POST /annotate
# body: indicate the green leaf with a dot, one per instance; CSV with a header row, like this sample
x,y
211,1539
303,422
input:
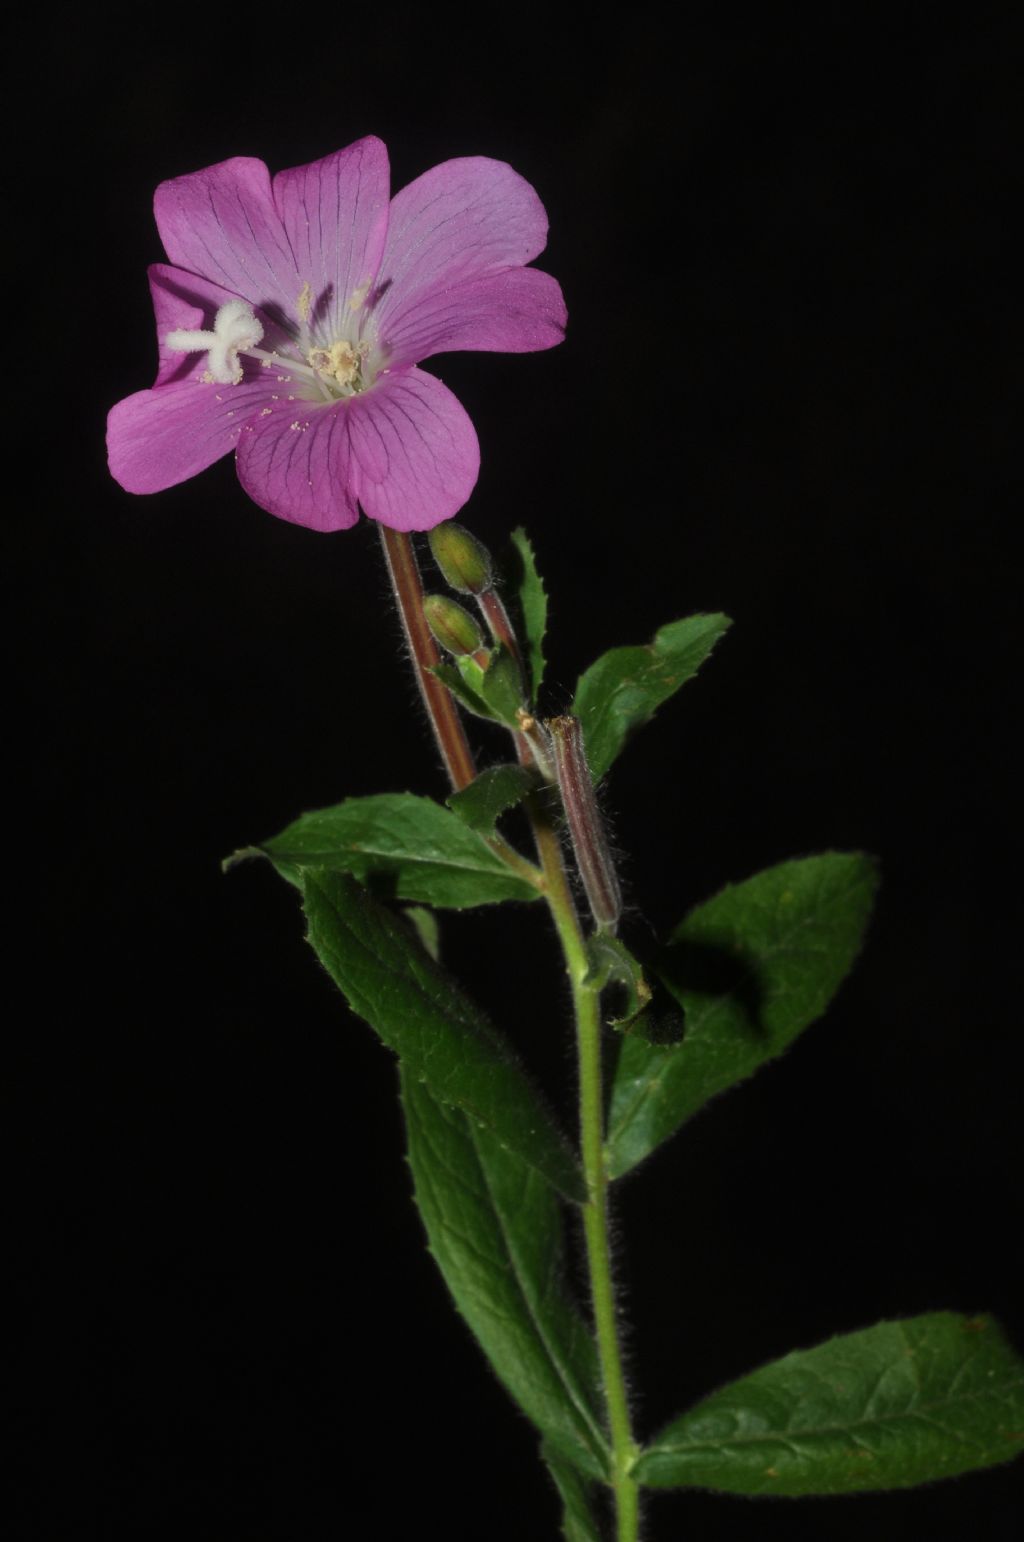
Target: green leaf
x,y
419,1012
427,929
611,960
487,797
494,1229
500,685
404,847
533,603
578,1523
471,699
752,969
891,1406
494,691
624,688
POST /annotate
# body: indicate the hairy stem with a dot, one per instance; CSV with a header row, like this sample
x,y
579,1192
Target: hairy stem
x,y
595,1211
499,625
442,711
449,733
455,751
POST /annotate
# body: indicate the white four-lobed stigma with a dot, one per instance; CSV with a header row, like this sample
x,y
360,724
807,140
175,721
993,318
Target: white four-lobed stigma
x,y
235,329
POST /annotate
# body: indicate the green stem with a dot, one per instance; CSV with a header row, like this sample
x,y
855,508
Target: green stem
x,y
451,740
595,1212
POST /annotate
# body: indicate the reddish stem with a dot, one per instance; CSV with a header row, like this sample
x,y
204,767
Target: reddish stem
x,y
441,709
496,616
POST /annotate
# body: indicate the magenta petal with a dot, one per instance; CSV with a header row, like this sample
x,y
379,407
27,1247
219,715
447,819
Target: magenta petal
x,y
416,451
184,302
518,311
462,220
297,463
335,214
158,438
222,224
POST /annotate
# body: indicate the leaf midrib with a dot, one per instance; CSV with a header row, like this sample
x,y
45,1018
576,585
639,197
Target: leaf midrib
x,y
824,1431
487,864
481,1031
566,1375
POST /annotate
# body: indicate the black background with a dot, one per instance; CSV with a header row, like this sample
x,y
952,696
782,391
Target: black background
x,y
786,392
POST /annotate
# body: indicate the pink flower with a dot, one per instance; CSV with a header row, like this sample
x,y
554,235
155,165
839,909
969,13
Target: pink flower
x,y
294,317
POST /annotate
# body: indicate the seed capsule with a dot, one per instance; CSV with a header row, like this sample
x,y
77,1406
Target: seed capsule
x,y
586,827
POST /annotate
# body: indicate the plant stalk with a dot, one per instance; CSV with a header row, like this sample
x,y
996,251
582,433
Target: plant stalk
x,y
458,759
586,1002
449,733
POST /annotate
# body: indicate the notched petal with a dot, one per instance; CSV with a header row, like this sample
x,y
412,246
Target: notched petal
x,y
416,451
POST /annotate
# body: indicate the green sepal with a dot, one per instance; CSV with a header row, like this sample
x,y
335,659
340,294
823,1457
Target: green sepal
x,y
420,1012
500,685
533,603
400,845
471,699
578,1521
889,1407
751,968
491,794
494,1229
494,691
610,960
624,688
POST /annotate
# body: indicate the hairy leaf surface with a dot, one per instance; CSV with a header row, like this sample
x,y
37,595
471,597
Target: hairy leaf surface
x,y
533,603
403,846
752,968
888,1407
490,794
624,688
494,1228
420,1012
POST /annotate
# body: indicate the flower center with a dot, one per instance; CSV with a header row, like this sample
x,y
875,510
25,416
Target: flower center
x,y
341,365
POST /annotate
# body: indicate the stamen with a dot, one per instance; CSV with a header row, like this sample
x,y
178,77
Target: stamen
x,y
284,360
340,362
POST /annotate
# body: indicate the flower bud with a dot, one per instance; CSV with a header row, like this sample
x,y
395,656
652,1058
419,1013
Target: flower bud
x,y
454,628
465,564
